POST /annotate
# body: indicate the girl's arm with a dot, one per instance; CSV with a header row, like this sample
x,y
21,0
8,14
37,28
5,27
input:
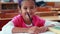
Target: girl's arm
x,y
33,29
48,24
9,28
51,24
20,30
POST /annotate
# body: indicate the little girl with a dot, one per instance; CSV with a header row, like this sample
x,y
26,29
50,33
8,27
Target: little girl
x,y
27,21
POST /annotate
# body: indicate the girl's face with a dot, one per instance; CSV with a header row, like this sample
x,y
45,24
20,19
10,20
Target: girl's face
x,y
28,6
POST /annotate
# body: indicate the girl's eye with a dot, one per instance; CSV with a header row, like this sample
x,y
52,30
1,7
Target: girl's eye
x,y
31,7
25,8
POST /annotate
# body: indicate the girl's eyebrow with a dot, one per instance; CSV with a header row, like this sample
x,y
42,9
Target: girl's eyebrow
x,y
31,6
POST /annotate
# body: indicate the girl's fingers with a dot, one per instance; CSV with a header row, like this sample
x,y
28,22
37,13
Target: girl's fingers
x,y
43,29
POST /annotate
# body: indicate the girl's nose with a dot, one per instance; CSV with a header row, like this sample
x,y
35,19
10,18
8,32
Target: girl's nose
x,y
28,10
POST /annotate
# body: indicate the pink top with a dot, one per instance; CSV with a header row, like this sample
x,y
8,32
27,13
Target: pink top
x,y
19,22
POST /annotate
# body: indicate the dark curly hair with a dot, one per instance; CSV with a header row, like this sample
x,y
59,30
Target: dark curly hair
x,y
20,1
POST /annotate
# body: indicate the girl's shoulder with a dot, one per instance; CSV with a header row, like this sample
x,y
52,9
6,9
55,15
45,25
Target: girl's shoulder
x,y
17,16
38,17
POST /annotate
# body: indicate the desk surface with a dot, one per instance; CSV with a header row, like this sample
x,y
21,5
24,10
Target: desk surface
x,y
52,18
5,18
55,29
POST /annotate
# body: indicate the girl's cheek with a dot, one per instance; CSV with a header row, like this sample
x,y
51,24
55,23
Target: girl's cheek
x,y
33,12
23,13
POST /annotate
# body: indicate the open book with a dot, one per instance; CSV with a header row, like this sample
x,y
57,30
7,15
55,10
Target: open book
x,y
55,29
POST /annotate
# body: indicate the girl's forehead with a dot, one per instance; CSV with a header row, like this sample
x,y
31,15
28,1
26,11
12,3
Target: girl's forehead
x,y
28,3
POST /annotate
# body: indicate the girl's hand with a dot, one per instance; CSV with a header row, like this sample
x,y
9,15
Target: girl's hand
x,y
43,29
34,30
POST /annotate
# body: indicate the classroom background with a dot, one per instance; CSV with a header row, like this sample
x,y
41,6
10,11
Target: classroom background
x,y
48,10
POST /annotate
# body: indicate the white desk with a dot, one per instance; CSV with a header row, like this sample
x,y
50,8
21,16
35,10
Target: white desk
x,y
0,32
